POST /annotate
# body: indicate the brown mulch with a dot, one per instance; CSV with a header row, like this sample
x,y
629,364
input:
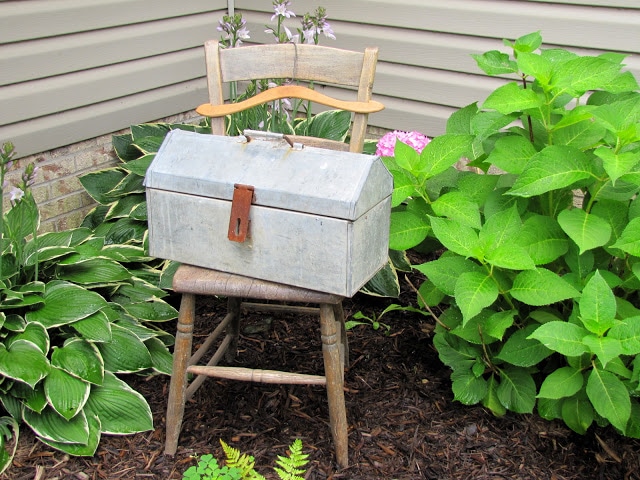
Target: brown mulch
x,y
403,422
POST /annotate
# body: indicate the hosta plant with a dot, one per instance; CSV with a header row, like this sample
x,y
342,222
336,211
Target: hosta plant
x,y
75,310
539,276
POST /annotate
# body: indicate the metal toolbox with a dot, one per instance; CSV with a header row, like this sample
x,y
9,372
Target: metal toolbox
x,y
259,206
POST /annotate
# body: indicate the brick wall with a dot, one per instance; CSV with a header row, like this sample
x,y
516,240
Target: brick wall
x,y
62,200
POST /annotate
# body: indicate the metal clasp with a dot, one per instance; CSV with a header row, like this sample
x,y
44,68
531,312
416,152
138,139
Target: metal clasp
x,y
240,206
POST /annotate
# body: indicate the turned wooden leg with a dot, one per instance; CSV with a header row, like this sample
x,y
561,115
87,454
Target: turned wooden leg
x,y
334,374
338,312
233,308
178,384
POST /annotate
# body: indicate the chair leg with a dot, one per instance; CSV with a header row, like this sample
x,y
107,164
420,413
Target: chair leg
x,y
333,371
233,307
178,384
338,312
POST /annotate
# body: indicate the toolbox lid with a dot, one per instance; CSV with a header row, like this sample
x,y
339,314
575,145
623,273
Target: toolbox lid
x,y
291,177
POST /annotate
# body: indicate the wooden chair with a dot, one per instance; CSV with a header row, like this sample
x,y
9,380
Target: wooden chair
x,y
354,70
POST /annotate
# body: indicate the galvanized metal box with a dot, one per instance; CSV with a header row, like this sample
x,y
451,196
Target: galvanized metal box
x,y
257,206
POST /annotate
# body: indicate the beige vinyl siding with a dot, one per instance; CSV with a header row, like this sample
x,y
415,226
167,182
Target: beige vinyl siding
x,y
425,71
72,70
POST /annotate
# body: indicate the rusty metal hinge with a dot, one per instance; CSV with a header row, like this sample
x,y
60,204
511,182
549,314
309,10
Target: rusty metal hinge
x,y
240,206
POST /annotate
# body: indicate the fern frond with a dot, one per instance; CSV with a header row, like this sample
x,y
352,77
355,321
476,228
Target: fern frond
x,y
241,461
292,465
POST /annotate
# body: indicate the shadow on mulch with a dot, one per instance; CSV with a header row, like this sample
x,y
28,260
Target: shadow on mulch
x,y
403,422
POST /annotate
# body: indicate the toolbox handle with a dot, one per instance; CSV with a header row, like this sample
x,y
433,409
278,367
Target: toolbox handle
x,y
239,219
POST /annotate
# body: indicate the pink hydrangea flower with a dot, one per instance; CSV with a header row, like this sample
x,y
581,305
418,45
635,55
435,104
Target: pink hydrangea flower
x,y
387,144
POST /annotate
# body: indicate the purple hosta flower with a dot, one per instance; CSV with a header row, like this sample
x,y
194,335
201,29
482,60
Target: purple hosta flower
x,y
314,25
16,195
29,175
233,29
387,144
280,9
282,105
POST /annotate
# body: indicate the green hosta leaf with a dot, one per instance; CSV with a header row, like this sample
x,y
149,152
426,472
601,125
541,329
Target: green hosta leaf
x,y
66,394
491,400
81,359
23,361
511,153
475,291
563,337
456,206
100,184
442,152
629,241
384,283
597,305
605,348
407,230
460,239
125,353
541,287
121,409
577,413
467,388
627,332
511,98
161,358
8,425
495,62
94,271
444,271
609,397
87,449
125,206
95,327
35,333
553,168
330,124
543,239
564,382
523,351
66,303
587,230
154,311
140,165
51,426
517,390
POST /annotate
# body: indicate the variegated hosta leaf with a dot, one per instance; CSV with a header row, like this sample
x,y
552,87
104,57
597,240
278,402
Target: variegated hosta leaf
x,y
51,426
23,361
80,449
66,303
66,394
81,359
121,409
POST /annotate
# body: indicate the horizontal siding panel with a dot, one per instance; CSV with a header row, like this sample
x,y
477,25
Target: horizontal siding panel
x,y
596,3
21,20
70,53
68,127
571,25
23,101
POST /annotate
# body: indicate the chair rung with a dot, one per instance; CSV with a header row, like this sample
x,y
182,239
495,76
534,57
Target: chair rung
x,y
274,307
257,375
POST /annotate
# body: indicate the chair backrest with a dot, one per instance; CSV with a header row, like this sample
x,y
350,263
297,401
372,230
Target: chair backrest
x,y
309,63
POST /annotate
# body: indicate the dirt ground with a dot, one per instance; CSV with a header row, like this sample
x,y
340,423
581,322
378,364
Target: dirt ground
x,y
403,422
